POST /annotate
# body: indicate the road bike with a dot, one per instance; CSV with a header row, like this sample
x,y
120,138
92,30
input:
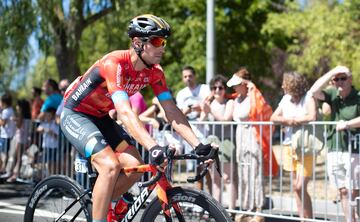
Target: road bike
x,y
60,198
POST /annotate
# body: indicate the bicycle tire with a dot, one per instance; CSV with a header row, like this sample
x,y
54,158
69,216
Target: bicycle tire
x,y
52,196
195,205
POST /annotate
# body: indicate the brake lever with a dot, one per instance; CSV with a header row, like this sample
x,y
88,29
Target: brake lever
x,y
200,175
168,173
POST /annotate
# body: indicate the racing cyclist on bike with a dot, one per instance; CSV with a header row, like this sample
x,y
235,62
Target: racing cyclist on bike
x,y
106,85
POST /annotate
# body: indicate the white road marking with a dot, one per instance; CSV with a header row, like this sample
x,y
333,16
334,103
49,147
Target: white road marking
x,y
18,209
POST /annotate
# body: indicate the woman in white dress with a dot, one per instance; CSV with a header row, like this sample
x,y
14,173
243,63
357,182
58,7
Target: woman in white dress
x,y
248,150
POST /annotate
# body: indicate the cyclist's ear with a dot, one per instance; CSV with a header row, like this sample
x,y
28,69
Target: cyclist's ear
x,y
137,42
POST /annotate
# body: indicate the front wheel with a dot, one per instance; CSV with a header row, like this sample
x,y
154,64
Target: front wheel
x,y
58,198
195,205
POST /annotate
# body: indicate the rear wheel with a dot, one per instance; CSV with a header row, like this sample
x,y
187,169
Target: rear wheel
x,y
195,206
57,195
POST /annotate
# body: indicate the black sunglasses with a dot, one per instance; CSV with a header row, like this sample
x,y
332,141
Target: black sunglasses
x,y
340,79
217,87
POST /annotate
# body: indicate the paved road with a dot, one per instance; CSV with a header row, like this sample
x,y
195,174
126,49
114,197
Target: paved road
x,y
13,198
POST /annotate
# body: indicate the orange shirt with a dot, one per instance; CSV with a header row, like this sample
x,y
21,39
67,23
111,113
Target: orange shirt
x,y
35,107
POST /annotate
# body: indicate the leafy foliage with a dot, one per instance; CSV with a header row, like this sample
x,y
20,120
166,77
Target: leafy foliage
x,y
266,36
318,37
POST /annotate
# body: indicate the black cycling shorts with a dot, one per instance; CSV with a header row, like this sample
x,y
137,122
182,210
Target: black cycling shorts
x,y
89,134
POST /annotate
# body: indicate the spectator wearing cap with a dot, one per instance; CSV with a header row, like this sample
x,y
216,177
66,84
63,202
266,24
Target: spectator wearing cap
x,y
253,151
53,98
343,158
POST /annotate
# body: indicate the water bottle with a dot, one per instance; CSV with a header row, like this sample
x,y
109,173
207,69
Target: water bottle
x,y
123,205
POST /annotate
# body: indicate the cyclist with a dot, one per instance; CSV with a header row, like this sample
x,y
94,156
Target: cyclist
x,y
106,85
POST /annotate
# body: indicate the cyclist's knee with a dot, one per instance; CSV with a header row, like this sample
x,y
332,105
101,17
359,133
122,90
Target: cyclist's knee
x,y
114,166
109,168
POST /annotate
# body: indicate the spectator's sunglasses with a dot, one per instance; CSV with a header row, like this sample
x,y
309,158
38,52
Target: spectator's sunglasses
x,y
337,79
217,87
156,41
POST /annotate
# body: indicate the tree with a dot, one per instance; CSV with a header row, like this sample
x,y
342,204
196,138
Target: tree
x,y
58,27
317,37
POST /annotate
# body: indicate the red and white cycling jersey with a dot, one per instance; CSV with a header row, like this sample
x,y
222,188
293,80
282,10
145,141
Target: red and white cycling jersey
x,y
91,92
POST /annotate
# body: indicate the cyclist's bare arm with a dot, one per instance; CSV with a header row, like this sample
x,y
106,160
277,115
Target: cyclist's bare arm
x,y
179,122
133,124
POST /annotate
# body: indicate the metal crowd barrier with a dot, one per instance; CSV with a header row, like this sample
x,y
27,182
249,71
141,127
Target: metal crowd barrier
x,y
279,201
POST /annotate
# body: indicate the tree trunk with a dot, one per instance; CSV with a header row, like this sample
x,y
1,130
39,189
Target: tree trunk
x,y
66,52
66,62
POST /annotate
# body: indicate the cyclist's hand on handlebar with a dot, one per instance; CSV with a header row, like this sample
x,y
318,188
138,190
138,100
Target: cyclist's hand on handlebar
x,y
202,149
208,151
158,156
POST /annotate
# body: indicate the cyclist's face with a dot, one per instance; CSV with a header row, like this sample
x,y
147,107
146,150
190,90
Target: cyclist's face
x,y
153,54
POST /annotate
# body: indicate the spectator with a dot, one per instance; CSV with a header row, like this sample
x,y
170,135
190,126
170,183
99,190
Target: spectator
x,y
66,152
53,98
188,100
250,105
36,102
20,141
63,85
296,108
50,134
218,108
138,103
155,115
343,160
7,129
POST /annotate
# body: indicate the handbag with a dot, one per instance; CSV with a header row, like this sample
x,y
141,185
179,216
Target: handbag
x,y
307,140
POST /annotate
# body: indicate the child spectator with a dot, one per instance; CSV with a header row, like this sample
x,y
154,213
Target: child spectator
x,y
50,133
7,129
21,139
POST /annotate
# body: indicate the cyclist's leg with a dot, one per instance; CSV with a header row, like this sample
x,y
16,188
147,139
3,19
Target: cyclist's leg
x,y
128,158
83,132
108,167
126,153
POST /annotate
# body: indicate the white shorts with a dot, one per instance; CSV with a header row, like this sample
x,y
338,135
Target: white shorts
x,y
343,169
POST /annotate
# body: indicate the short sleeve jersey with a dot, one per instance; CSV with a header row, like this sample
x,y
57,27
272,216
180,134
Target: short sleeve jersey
x,y
91,93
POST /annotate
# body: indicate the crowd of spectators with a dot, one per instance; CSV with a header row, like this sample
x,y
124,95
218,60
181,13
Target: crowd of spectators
x,y
31,124
245,152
